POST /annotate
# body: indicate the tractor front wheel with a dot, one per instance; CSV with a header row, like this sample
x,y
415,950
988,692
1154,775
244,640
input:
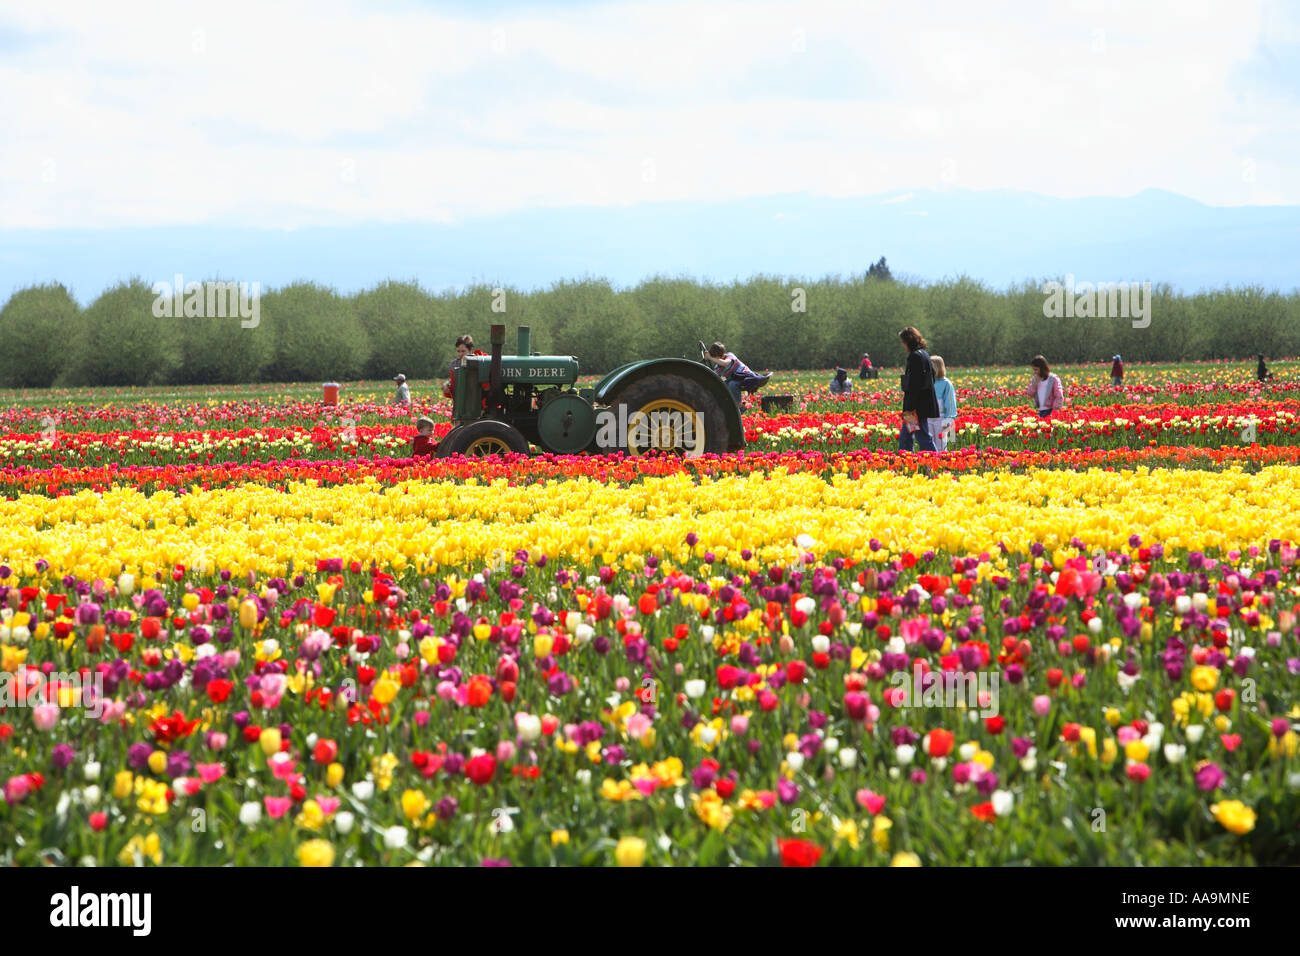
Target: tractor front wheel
x,y
483,437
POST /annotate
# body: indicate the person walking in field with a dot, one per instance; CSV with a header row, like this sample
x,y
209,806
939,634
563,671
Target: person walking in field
x,y
946,394
840,384
403,396
1261,372
919,401
1045,388
1117,371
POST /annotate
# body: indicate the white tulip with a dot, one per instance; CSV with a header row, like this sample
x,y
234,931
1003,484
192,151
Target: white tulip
x,y
794,760
90,795
1194,733
694,689
529,727
1199,600
1182,604
706,633
805,604
363,790
1174,753
91,771
806,541
904,754
250,813
967,752
1003,801
395,838
1094,626
343,822
830,745
848,758
821,644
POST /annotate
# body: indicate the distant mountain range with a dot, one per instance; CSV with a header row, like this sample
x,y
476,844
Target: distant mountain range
x,y
998,236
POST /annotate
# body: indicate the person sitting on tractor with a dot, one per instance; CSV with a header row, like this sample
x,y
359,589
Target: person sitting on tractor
x,y
423,444
840,384
738,376
464,346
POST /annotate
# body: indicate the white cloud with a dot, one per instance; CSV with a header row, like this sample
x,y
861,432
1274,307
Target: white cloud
x,y
311,113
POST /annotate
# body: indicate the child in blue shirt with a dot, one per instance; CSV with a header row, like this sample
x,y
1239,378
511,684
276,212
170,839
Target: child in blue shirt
x,y
941,428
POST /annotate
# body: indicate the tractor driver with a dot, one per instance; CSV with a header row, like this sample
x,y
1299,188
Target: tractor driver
x,y
464,346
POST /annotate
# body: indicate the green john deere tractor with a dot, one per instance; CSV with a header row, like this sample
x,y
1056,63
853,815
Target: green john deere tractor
x,y
504,403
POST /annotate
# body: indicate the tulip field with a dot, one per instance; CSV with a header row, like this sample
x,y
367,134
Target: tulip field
x,y
241,627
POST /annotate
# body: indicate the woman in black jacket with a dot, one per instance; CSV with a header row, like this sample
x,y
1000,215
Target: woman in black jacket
x,y
918,393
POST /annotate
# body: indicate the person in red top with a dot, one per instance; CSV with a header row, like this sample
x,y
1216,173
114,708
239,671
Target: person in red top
x,y
864,367
423,444
464,346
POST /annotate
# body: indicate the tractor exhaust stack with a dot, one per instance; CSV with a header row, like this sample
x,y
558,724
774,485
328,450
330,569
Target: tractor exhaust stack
x,y
498,346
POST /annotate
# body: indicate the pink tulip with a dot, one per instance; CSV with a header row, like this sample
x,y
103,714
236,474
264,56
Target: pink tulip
x,y
17,788
276,807
45,716
872,802
1042,705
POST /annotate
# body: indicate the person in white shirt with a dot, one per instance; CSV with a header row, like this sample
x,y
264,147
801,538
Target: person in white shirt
x,y
403,396
1045,388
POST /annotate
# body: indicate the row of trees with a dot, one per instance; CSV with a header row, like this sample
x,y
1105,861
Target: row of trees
x,y
307,332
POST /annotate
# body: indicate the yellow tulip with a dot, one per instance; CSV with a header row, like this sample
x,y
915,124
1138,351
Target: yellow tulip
x,y
270,741
630,851
316,853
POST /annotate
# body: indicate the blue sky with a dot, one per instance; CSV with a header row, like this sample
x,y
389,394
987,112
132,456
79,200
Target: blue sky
x,y
298,114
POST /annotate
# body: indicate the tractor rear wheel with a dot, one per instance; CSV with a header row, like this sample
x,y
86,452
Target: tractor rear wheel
x,y
667,413
484,437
